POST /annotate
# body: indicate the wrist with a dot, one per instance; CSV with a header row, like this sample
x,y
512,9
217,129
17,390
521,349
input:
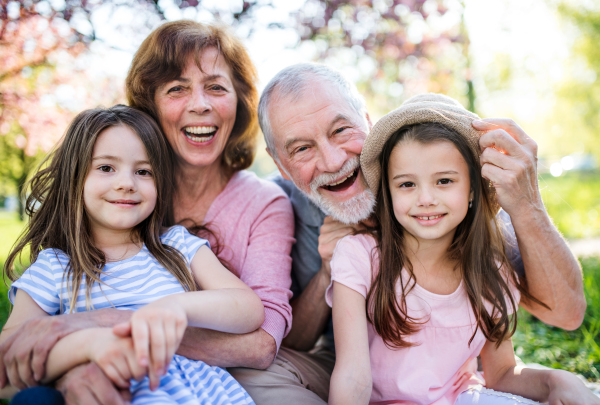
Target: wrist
x,y
91,337
531,218
324,275
109,317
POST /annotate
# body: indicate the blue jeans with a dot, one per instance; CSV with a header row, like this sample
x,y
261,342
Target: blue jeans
x,y
38,396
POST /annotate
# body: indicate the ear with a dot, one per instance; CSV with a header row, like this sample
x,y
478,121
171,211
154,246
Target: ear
x,y
369,121
471,195
281,170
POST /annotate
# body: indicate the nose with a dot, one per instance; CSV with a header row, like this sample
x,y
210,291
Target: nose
x,y
426,197
332,157
125,182
199,101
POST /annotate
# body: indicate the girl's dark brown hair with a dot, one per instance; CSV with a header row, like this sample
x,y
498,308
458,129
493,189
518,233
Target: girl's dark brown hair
x,y
163,56
477,248
57,213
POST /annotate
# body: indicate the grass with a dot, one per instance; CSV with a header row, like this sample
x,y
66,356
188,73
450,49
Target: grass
x,y
573,202
577,351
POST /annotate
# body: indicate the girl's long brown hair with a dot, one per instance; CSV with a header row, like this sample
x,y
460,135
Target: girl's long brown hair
x,y
477,247
56,210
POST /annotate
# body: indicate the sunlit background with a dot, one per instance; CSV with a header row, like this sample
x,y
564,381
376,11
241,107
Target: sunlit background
x,y
534,61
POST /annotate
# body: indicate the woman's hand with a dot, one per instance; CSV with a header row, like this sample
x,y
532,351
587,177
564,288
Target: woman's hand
x,y
116,357
156,331
567,389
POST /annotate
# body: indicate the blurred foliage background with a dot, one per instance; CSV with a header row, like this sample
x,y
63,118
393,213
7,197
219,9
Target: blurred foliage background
x,y
536,61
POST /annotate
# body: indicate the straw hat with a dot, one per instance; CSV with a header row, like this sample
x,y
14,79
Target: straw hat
x,y
419,109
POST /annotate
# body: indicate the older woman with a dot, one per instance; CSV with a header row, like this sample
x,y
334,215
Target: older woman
x,y
198,82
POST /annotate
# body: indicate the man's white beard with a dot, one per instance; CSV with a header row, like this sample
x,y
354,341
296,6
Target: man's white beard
x,y
351,211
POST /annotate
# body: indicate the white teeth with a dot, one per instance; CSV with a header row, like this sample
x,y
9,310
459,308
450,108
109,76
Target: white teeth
x,y
200,130
341,181
431,217
199,138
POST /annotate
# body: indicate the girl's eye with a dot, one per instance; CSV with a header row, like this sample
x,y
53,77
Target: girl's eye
x,y
105,169
445,181
407,184
144,172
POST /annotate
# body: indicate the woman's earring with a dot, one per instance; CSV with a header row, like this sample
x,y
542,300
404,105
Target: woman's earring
x,y
470,203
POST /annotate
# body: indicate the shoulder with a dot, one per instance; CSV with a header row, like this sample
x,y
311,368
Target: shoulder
x,y
52,259
352,263
178,234
356,245
249,184
354,253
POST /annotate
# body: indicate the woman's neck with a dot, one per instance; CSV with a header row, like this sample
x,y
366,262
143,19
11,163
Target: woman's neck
x,y
196,189
432,266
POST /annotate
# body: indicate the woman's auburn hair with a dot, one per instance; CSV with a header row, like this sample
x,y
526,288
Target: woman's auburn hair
x,y
56,208
162,57
477,248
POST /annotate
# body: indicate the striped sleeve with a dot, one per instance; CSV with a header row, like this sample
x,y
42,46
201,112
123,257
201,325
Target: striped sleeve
x,y
39,282
188,244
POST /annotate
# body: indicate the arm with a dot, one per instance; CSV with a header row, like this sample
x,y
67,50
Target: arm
x,y
556,387
266,270
309,309
224,303
553,273
30,340
66,354
351,378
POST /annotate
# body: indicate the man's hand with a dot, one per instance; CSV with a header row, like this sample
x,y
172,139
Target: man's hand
x,y
25,351
331,232
509,161
553,274
87,384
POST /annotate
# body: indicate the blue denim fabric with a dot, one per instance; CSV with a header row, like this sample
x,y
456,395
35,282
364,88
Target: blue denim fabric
x,y
38,396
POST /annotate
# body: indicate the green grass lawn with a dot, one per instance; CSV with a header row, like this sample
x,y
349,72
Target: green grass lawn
x,y
577,351
573,202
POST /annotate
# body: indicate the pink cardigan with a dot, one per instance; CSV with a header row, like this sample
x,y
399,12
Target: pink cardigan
x,y
254,221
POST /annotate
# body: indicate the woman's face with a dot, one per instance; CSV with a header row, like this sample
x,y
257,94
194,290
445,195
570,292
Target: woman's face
x,y
197,110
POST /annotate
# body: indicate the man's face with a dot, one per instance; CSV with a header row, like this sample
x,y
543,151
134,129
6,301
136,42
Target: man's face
x,y
318,139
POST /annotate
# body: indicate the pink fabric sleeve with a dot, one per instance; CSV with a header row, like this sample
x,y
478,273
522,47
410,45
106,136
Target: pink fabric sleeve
x,y
351,265
268,264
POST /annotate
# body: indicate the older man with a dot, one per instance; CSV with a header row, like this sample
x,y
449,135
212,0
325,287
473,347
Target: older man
x,y
315,124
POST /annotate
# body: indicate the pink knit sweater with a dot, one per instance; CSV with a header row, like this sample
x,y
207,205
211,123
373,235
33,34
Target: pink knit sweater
x,y
254,221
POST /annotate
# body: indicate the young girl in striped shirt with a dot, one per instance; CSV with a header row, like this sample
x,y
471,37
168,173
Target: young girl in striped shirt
x,y
96,241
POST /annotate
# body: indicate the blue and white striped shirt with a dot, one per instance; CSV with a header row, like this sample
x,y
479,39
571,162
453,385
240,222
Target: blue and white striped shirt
x,y
127,284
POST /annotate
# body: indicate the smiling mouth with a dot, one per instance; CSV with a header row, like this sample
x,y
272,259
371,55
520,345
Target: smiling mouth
x,y
200,134
342,184
428,218
125,202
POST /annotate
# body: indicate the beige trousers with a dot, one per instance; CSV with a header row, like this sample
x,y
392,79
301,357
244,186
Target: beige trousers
x,y
294,378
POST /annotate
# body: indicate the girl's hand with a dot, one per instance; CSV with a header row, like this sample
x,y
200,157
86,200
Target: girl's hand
x,y
567,389
116,357
156,331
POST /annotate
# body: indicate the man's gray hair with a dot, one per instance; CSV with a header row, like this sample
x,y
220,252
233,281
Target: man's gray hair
x,y
292,82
